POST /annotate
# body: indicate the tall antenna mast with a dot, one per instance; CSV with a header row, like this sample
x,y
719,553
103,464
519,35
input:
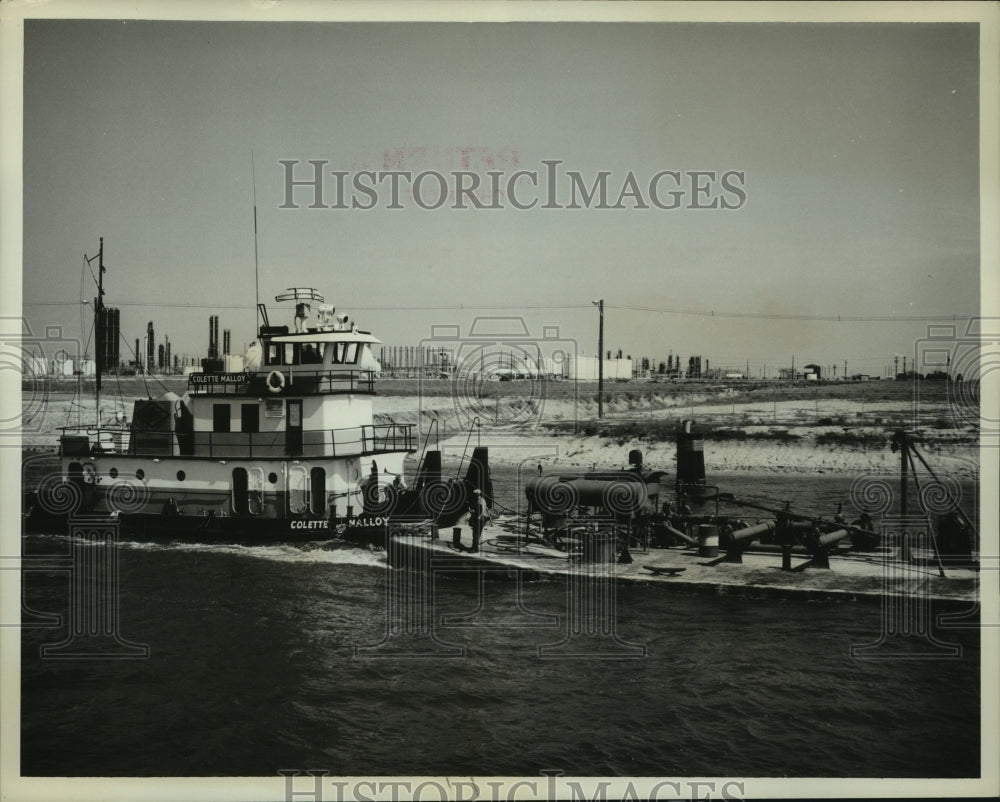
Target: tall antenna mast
x,y
256,264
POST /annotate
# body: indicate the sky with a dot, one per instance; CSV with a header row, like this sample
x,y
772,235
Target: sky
x,y
856,148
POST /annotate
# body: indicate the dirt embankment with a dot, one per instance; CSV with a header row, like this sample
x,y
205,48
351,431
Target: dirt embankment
x,y
835,428
808,430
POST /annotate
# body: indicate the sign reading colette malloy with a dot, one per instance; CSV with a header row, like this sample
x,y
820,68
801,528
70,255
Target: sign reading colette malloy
x,y
219,378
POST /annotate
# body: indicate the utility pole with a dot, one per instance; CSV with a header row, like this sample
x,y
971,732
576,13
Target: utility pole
x,y
99,362
600,358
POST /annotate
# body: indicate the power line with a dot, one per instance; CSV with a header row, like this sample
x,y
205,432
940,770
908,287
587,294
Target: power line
x,y
512,307
393,308
144,303
776,316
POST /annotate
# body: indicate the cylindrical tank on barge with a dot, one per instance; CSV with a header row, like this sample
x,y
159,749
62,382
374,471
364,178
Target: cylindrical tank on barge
x,y
619,493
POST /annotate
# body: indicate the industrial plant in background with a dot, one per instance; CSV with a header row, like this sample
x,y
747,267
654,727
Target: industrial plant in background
x,y
498,363
526,359
219,360
108,338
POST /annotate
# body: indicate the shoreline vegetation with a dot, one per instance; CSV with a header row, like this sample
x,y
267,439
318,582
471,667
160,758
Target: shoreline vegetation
x,y
774,427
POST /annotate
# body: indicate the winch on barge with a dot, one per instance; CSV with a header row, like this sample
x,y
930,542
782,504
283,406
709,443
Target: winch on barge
x,y
285,450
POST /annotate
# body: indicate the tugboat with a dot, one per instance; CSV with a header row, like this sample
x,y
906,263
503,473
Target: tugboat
x,y
284,450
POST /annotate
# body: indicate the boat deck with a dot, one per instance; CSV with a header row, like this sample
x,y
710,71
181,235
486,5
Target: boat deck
x,y
852,575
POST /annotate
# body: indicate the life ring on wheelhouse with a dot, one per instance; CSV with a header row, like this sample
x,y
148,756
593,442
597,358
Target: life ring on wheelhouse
x,y
275,381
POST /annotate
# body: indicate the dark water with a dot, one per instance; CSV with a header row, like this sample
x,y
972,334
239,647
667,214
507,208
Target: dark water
x,y
254,667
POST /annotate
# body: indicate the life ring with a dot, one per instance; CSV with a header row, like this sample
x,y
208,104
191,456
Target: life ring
x,y
275,375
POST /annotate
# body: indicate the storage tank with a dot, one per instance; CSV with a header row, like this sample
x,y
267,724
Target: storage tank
x,y
617,493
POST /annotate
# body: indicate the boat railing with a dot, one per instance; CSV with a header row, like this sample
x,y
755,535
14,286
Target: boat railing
x,y
347,442
88,440
294,380
382,438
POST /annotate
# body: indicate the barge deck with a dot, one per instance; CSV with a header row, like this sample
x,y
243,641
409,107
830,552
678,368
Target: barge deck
x,y
852,575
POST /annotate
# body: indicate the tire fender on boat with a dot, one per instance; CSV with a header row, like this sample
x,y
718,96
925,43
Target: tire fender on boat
x,y
275,381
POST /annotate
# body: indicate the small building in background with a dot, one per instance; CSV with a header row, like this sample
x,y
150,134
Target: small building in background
x,y
35,366
585,368
62,365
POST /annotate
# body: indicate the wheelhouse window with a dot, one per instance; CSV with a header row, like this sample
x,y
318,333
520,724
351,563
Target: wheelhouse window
x,y
220,417
345,353
311,354
308,353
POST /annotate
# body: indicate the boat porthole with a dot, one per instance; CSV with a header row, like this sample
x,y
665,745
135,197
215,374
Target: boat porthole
x,y
180,476
140,474
272,478
113,473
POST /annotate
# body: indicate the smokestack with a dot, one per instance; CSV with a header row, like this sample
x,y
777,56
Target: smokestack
x,y
213,337
150,348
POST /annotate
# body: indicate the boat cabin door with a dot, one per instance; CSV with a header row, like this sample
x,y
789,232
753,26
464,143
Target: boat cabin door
x,y
317,492
298,489
293,427
248,491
